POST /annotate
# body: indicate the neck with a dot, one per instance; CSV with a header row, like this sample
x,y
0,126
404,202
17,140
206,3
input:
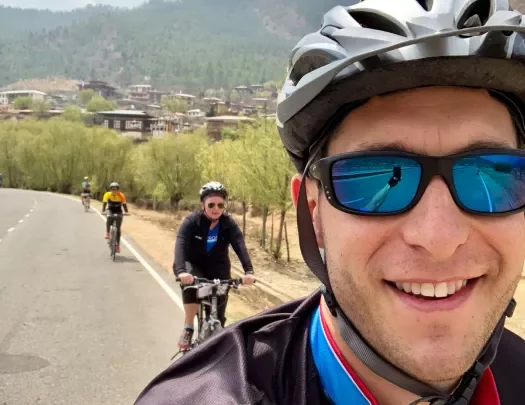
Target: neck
x,y
383,390
213,221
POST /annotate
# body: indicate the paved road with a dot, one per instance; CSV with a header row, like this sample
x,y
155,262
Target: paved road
x,y
75,327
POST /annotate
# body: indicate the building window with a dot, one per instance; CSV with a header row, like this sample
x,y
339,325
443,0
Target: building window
x,y
117,124
134,125
106,123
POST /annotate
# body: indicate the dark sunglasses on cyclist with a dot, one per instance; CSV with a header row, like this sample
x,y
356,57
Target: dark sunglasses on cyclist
x,y
212,206
482,182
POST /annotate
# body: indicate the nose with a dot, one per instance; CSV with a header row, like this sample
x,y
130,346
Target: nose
x,y
436,224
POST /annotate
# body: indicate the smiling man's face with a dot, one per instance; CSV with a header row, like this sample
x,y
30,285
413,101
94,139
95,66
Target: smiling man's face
x,y
435,242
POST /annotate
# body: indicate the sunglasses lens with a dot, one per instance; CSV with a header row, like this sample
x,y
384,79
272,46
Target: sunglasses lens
x,y
490,183
384,184
220,205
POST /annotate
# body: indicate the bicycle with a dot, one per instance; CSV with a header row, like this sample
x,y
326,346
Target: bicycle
x,y
208,292
86,201
112,242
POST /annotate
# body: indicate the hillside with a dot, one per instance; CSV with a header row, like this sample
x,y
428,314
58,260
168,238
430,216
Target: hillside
x,y
197,43
190,44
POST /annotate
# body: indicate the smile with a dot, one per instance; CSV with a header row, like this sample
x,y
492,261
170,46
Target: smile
x,y
437,296
438,290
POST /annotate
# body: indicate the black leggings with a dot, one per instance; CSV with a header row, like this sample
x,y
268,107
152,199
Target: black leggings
x,y
118,223
189,295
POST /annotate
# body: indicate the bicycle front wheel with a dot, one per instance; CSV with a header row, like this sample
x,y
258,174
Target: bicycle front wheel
x,y
113,241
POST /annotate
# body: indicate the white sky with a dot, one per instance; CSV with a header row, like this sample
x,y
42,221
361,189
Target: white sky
x,y
67,4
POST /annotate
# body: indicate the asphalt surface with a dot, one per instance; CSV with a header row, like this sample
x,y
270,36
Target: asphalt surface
x,y
75,327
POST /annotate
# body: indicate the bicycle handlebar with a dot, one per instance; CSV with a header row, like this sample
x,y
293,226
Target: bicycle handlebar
x,y
199,280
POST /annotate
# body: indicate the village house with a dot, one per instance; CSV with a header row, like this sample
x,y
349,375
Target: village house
x,y
9,97
215,125
101,88
132,123
195,114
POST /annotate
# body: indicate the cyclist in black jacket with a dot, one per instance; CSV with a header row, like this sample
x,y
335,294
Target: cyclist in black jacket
x,y
201,250
415,293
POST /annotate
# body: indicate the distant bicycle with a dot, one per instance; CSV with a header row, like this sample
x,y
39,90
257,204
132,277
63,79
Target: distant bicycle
x,y
112,242
208,292
86,201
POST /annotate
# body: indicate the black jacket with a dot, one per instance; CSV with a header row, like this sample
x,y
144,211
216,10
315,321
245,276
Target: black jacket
x,y
191,246
266,360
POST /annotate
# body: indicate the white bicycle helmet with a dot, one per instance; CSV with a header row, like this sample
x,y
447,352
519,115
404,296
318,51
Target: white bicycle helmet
x,y
114,185
213,187
374,47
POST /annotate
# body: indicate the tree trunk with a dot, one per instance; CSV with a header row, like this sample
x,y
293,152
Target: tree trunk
x,y
263,234
174,201
271,235
244,219
287,244
277,252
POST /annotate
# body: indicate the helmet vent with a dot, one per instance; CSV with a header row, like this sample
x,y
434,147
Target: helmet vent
x,y
376,21
426,4
475,15
308,63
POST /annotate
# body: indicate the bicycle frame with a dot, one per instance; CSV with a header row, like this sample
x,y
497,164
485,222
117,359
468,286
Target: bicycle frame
x,y
86,201
113,236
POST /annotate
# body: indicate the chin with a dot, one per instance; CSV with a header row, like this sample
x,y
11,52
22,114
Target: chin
x,y
439,357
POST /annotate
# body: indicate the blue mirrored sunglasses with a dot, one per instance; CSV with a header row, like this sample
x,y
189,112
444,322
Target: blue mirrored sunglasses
x,y
481,182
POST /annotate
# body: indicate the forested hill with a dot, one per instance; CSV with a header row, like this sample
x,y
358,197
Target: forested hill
x,y
190,44
187,43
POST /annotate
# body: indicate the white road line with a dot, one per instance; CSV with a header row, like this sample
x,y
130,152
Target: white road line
x,y
27,215
20,221
174,297
11,229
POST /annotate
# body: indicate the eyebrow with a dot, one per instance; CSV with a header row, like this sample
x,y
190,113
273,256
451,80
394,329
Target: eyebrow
x,y
404,147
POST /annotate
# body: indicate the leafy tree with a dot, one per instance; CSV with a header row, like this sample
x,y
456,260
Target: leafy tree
x,y
174,164
85,96
23,103
72,113
98,103
40,107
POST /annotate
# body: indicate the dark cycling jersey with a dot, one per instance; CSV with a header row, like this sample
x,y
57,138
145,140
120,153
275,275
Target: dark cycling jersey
x,y
86,187
267,360
192,246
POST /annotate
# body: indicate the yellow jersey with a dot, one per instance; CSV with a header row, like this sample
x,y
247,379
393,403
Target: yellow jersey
x,y
114,201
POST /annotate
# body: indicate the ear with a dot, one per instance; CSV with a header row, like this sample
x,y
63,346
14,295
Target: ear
x,y
295,186
312,194
202,205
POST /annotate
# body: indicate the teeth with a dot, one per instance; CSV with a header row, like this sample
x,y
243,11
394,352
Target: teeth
x,y
416,289
427,290
451,287
439,290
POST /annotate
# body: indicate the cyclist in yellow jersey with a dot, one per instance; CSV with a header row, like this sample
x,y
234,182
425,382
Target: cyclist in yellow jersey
x,y
115,201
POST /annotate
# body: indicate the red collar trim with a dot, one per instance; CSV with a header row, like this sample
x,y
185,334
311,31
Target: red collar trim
x,y
486,391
